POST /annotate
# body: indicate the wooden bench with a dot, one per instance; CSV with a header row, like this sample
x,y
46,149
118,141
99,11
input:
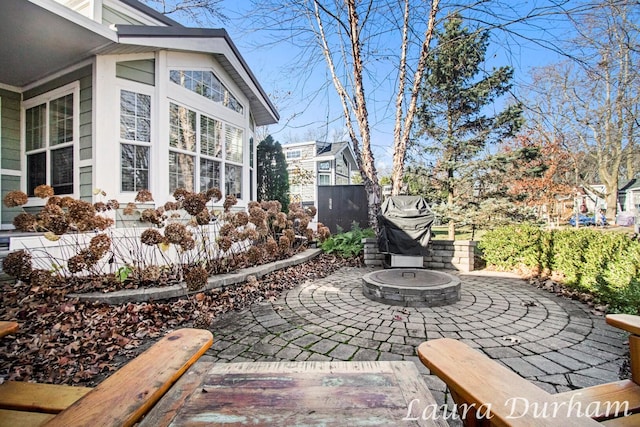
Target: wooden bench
x,y
120,400
478,383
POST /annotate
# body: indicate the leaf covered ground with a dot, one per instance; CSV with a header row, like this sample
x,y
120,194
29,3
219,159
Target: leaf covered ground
x,y
66,341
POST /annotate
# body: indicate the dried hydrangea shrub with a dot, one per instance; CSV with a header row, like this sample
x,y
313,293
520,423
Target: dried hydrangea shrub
x,y
176,232
43,191
194,203
229,202
15,198
25,222
196,278
151,237
144,196
18,264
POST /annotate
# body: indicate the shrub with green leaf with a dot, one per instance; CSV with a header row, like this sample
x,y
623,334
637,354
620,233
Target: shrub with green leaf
x,y
605,264
347,244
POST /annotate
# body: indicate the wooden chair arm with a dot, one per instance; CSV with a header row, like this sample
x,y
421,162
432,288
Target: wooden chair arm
x,y
124,397
474,379
626,322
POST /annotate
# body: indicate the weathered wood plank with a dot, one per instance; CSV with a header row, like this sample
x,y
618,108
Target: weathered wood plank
x,y
130,392
36,397
165,410
9,418
297,393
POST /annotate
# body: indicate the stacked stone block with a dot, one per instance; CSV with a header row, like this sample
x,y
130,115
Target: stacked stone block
x,y
441,254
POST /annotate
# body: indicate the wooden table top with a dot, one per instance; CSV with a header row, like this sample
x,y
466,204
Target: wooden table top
x,y
297,393
7,328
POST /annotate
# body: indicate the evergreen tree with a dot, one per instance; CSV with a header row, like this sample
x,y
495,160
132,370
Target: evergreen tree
x,y
273,178
454,124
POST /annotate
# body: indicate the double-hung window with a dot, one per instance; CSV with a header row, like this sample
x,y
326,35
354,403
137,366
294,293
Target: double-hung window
x,y
135,140
50,136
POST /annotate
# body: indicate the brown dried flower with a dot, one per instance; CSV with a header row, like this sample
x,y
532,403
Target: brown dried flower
x,y
213,194
113,204
176,232
100,207
43,278
194,203
204,217
130,208
196,278
171,206
284,243
77,263
54,200
151,273
254,255
240,219
43,191
229,201
271,246
187,244
81,211
151,237
225,243
144,196
15,198
227,229
257,216
180,194
25,222
67,201
18,264
100,245
151,216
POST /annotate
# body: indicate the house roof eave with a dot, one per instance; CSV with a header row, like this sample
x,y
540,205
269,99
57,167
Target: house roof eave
x,y
212,41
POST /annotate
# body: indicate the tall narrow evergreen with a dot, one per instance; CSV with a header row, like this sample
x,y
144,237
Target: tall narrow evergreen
x,y
454,122
273,178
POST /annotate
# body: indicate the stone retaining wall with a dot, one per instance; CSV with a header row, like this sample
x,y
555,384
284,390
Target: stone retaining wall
x,y
441,254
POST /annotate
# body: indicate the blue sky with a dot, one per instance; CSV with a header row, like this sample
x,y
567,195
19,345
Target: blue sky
x,y
310,109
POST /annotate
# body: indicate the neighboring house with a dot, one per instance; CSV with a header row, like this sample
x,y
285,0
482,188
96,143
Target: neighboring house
x,y
313,163
111,94
629,196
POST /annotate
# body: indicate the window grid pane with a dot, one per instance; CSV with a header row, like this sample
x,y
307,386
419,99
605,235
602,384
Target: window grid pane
x,y
233,180
233,144
62,170
134,167
210,137
61,120
209,174
135,116
181,171
182,128
36,171
206,84
35,127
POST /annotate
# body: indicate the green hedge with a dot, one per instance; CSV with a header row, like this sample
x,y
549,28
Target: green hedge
x,y
605,264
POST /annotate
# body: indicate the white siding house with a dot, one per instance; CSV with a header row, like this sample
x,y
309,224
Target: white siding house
x,y
314,163
110,94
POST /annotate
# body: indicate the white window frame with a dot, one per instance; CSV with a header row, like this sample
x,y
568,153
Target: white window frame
x,y
294,154
46,98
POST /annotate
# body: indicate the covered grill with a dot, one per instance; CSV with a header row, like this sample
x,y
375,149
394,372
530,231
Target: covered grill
x,y
405,225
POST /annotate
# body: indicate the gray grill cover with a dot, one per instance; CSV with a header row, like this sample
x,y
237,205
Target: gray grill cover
x,y
405,225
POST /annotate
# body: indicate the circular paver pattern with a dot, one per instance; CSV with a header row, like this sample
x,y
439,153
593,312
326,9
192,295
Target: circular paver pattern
x,y
555,342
